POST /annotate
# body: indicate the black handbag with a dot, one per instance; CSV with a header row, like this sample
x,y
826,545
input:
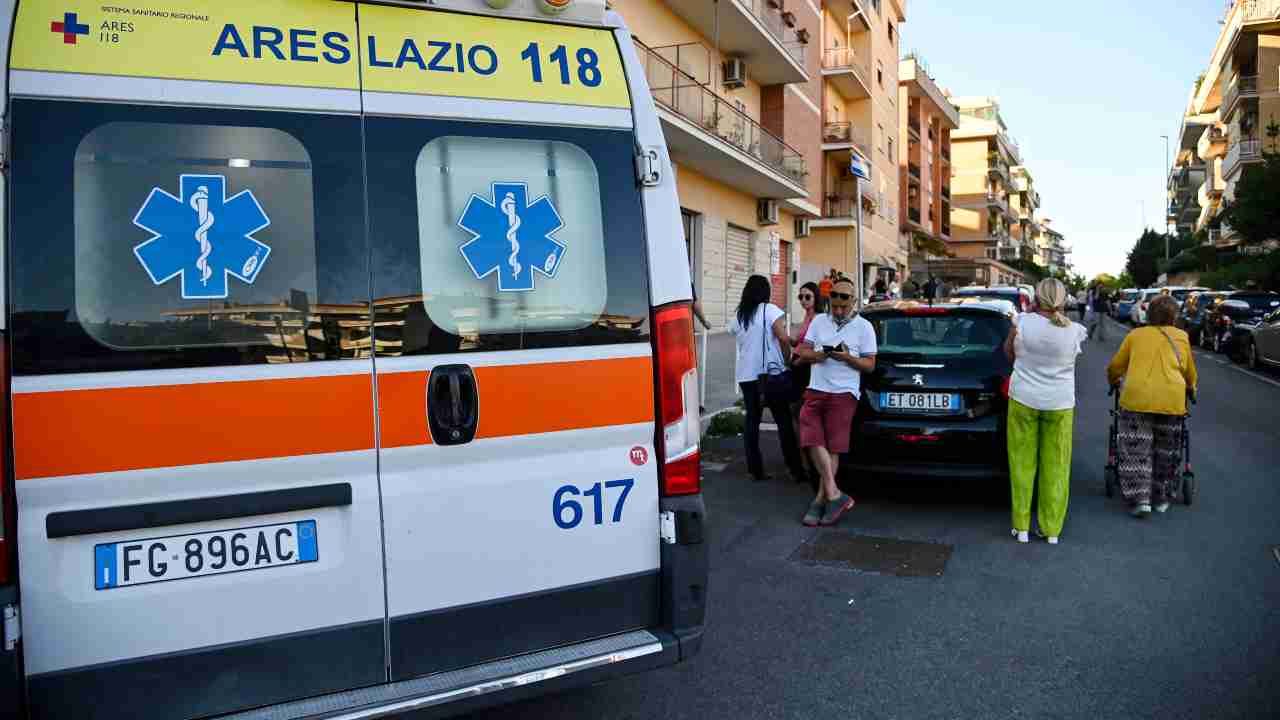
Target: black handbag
x,y
776,384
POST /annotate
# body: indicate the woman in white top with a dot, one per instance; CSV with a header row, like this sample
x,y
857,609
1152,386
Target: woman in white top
x,y
1043,346
761,331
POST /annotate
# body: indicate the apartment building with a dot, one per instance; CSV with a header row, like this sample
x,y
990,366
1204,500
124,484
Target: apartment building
x,y
737,84
859,43
926,120
1054,252
1232,105
1024,202
987,206
1188,171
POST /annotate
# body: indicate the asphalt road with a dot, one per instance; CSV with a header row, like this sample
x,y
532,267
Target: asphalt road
x,y
1174,617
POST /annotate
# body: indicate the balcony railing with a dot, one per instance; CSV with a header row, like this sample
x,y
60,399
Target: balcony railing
x,y
840,205
771,18
1244,87
848,58
914,170
1253,10
679,92
1242,151
914,124
836,133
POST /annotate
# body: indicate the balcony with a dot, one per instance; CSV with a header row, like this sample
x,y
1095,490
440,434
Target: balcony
x,y
997,166
1243,88
1212,144
752,30
996,200
839,209
838,136
710,135
1242,152
913,122
849,71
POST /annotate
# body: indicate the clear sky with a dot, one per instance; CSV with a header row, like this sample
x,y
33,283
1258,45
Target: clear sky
x,y
1087,88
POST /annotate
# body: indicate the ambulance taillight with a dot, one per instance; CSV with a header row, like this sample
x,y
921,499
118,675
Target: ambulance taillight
x,y
679,471
8,513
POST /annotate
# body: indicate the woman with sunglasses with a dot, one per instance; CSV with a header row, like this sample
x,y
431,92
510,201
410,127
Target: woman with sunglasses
x,y
809,300
763,344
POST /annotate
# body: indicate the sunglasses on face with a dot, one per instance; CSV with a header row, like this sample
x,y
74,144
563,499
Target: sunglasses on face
x,y
841,296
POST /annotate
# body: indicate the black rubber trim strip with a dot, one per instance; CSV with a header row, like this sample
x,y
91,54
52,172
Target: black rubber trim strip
x,y
215,680
455,637
178,512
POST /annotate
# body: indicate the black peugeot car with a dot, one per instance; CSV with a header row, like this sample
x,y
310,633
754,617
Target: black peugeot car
x,y
1228,325
935,404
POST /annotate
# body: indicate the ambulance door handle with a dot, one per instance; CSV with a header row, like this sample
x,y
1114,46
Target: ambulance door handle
x,y
452,405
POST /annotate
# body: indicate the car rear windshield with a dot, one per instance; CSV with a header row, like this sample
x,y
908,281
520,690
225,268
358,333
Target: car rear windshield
x,y
949,334
1259,302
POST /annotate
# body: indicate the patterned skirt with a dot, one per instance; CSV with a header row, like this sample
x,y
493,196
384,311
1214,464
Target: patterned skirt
x,y
1150,451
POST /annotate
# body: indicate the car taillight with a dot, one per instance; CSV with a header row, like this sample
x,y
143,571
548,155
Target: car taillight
x,y
8,512
1004,386
679,472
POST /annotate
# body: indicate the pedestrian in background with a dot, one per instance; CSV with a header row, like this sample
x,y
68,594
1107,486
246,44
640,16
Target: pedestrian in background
x,y
760,329
824,287
1043,346
800,371
1159,372
839,345
1101,306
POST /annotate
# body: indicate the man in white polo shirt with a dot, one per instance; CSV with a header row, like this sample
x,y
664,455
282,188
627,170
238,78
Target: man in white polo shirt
x,y
840,345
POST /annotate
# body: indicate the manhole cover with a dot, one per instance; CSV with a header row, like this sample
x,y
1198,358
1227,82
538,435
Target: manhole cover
x,y
907,558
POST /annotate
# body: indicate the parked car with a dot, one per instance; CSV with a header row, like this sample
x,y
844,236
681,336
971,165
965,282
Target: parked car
x,y
936,402
1019,296
1262,347
1120,308
1231,321
1194,309
1138,310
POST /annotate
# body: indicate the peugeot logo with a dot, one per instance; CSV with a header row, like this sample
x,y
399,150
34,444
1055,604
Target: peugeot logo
x,y
918,379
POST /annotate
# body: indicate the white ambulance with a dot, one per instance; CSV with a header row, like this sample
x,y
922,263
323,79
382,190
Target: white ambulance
x,y
348,360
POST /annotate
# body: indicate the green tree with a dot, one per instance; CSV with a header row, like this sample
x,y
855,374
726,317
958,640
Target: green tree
x,y
1255,211
1144,260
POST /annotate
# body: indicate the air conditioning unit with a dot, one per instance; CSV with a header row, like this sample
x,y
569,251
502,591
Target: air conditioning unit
x,y
767,212
734,73
802,227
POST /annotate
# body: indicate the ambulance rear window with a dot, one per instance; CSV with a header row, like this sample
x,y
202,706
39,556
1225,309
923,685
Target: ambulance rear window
x,y
494,236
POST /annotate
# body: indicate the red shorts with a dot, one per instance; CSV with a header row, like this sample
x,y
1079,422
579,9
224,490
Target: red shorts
x,y
826,419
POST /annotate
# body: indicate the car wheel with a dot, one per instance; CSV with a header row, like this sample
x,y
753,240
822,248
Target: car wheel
x,y
1251,354
1217,342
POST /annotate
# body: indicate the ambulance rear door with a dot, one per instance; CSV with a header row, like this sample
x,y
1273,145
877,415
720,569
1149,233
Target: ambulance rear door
x,y
514,366
193,406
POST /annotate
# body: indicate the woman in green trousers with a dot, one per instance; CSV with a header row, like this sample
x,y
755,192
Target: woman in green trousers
x,y
1043,347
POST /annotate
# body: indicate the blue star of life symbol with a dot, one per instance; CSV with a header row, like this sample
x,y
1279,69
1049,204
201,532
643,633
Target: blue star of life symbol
x,y
511,237
202,235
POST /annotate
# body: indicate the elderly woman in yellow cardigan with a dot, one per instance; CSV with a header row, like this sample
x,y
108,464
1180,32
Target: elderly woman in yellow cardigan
x,y
1159,372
